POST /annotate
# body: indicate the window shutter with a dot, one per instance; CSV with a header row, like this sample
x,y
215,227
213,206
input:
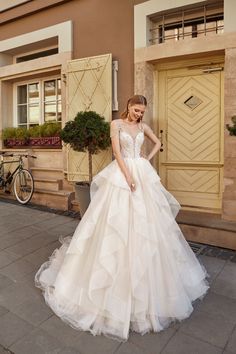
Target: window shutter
x,y
89,88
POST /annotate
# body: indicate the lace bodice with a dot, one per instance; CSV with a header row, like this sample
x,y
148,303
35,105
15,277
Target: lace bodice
x,y
130,145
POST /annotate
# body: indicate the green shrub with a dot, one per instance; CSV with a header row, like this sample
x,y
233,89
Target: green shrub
x,y
47,129
17,133
232,128
88,132
50,129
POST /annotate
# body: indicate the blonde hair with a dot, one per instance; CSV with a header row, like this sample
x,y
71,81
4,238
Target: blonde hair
x,y
136,99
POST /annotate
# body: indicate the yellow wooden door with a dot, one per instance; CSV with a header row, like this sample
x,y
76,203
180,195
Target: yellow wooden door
x,y
191,128
89,88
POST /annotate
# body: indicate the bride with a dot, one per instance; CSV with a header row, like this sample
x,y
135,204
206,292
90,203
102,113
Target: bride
x,y
127,266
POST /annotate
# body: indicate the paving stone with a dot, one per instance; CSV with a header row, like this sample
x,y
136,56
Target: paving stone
x,y
225,282
128,348
17,294
33,311
153,342
88,343
68,350
8,240
5,282
59,329
211,328
18,269
231,346
41,255
25,232
3,310
213,266
83,341
7,258
53,222
38,342
31,244
4,350
184,344
12,329
220,305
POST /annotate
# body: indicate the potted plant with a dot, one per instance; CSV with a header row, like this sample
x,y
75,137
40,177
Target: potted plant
x,y
88,132
15,137
232,128
45,135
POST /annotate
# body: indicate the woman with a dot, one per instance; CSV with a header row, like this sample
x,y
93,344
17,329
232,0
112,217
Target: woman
x,y
128,266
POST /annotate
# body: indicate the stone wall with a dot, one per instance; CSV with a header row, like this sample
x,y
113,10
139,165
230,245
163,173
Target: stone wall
x,y
229,194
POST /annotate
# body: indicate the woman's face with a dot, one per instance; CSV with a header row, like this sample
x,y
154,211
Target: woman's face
x,y
136,112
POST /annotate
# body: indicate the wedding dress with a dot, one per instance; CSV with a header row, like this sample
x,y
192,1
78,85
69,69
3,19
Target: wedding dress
x,y
127,266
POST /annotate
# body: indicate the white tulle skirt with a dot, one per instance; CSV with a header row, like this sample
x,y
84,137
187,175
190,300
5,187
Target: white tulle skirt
x,y
127,266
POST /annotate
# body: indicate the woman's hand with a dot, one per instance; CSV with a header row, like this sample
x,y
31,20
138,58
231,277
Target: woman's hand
x,y
131,183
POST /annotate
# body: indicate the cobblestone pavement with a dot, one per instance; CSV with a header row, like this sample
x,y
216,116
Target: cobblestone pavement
x,y
28,235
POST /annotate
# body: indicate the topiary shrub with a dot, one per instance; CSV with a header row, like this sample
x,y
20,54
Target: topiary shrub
x,y
88,132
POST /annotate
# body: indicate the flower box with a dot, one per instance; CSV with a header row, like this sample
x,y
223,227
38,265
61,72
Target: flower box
x,y
53,142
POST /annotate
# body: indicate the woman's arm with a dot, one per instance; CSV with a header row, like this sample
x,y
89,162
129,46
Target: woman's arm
x,y
117,154
151,136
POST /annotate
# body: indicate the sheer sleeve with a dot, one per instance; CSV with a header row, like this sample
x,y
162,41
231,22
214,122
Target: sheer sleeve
x,y
114,129
147,130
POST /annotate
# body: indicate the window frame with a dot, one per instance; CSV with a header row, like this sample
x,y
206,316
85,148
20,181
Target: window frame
x,y
41,82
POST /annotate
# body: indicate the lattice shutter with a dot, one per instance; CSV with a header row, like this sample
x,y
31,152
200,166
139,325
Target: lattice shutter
x,y
89,87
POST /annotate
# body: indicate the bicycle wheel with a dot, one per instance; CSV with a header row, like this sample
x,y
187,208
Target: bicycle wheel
x,y
23,186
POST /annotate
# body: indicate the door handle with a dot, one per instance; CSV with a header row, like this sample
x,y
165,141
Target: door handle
x,y
161,137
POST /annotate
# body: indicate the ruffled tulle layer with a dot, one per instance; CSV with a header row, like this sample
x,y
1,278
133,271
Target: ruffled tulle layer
x,y
128,266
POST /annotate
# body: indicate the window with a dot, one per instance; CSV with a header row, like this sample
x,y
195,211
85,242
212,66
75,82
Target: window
x,y
52,100
188,22
41,54
38,102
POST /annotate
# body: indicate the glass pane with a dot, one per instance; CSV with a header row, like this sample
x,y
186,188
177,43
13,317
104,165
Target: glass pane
x,y
220,26
59,111
22,114
211,28
22,94
34,114
170,34
50,90
50,112
33,93
59,89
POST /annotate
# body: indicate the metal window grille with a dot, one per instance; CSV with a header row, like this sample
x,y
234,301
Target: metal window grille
x,y
194,22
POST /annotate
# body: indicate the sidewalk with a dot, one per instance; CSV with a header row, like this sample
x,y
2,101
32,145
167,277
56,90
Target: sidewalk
x,y
27,326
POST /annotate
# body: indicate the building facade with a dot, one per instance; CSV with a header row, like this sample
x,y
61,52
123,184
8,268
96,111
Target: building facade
x,y
185,63
57,58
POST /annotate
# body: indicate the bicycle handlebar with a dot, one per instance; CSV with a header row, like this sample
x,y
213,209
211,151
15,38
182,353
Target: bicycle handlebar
x,y
17,155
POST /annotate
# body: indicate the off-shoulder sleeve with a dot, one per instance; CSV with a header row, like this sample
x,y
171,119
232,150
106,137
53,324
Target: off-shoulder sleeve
x,y
114,129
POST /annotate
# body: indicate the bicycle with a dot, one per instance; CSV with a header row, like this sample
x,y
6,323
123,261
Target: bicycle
x,y
21,178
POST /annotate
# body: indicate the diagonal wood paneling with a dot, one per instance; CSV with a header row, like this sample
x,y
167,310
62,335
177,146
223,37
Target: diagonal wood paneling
x,y
198,128
190,165
89,87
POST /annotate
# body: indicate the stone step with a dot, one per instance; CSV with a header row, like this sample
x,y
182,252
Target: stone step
x,y
207,228
46,172
53,199
48,184
75,205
